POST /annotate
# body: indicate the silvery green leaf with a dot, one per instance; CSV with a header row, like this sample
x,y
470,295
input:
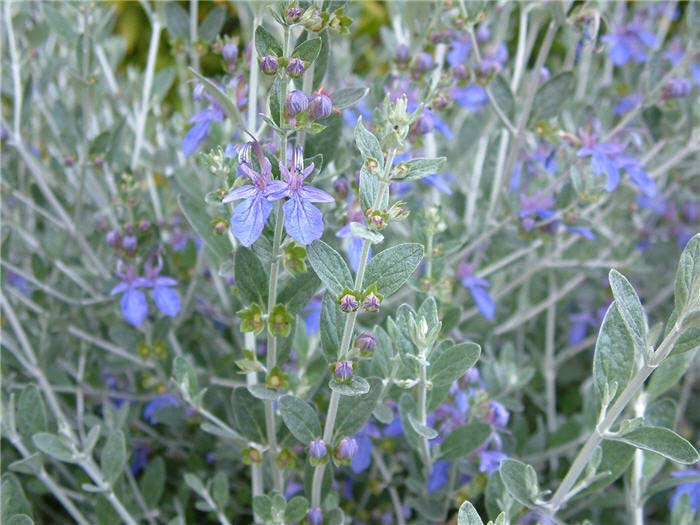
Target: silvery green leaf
x,y
334,517
248,415
552,96
451,363
300,418
221,432
251,278
266,44
177,21
616,458
468,515
212,24
368,144
29,465
383,413
308,50
91,439
321,65
464,440
429,310
356,387
262,506
185,376
152,482
332,325
55,446
614,358
113,456
354,411
226,269
13,499
260,391
630,309
298,291
687,289
663,441
407,405
59,24
369,186
360,230
330,267
194,483
520,480
89,487
296,509
19,519
500,91
421,429
383,354
500,519
391,268
219,246
688,341
30,415
220,489
276,102
348,97
419,168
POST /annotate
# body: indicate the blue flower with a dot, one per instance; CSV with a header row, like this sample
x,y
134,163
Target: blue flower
x,y
250,216
202,121
472,97
629,42
312,315
133,302
302,220
439,475
691,488
167,400
490,460
478,288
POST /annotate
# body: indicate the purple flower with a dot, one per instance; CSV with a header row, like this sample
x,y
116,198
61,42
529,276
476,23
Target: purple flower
x,y
140,458
320,105
366,341
314,516
459,51
424,62
691,488
317,449
363,457
201,120
627,103
349,303
438,476
629,42
295,68
297,101
490,460
343,370
478,288
498,415
347,448
167,400
166,298
371,302
250,216
230,53
302,220
133,301
269,64
580,322
472,97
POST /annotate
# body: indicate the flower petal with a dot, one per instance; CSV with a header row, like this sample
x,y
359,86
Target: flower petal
x,y
483,301
312,194
302,220
242,192
167,300
195,136
249,218
134,306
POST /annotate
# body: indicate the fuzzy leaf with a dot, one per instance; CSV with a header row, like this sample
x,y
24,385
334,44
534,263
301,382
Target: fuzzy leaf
x,y
249,415
308,50
630,309
664,442
330,267
113,456
368,144
348,97
468,515
552,96
250,275
266,44
451,363
614,358
300,418
356,387
391,268
464,440
520,480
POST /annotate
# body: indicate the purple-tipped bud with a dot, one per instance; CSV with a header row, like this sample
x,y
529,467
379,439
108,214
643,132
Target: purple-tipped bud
x,y
129,228
129,242
343,371
424,63
347,448
296,67
269,64
677,88
113,238
69,160
483,33
424,123
144,225
317,449
366,342
230,53
372,302
403,54
314,516
320,106
297,101
341,188
294,14
349,303
441,102
459,72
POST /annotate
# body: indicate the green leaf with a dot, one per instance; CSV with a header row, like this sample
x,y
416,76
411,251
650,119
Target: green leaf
x,y
31,413
308,50
211,26
356,387
552,96
421,429
251,278
615,460
195,213
332,325
688,341
368,144
222,98
500,91
177,21
520,480
392,267
296,509
421,167
220,489
113,456
321,62
152,482
13,499
19,519
54,446
369,186
194,483
29,465
451,363
630,309
468,515
668,374
298,291
276,102
249,415
185,376
664,442
407,405
266,44
330,267
348,97
262,506
464,440
353,412
614,358
300,418
687,288
59,24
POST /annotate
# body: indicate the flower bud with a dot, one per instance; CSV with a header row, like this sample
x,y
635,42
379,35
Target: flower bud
x,y
144,225
346,449
230,53
343,371
677,88
294,14
371,302
297,101
424,62
314,516
317,449
424,123
349,303
129,242
296,67
403,54
459,72
269,64
320,105
220,227
366,342
341,188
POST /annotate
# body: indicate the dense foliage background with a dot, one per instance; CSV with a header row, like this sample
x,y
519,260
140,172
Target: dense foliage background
x,y
176,351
